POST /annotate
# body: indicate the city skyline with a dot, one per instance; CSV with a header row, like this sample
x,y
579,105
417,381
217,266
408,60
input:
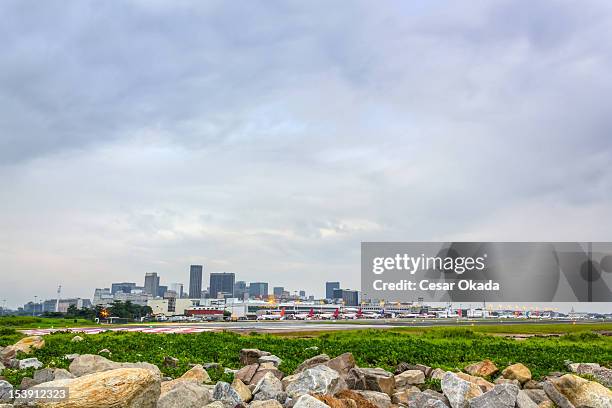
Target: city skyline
x,y
273,151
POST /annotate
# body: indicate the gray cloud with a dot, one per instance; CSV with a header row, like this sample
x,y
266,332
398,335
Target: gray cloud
x,y
270,138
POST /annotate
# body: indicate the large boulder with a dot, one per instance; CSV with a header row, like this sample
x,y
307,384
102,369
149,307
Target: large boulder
x,y
517,372
378,399
267,388
308,401
246,373
311,362
402,396
523,400
274,360
409,377
479,381
250,356
581,392
371,379
424,400
243,391
185,395
342,364
501,396
602,374
5,391
30,363
124,387
320,379
92,363
459,391
51,374
226,394
25,345
484,368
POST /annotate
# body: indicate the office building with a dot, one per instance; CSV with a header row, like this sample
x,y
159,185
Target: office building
x,y
302,294
161,290
125,287
102,296
195,282
151,284
329,289
221,284
278,291
258,290
240,290
177,288
348,297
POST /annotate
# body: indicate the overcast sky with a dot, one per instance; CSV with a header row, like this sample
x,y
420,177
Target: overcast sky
x,y
270,138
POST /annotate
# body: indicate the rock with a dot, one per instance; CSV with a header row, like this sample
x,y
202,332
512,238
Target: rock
x,y
246,373
91,363
502,380
267,388
243,391
215,404
532,385
25,345
459,391
378,399
401,367
537,396
70,357
250,356
501,396
555,396
523,400
308,401
226,394
124,387
5,391
423,400
106,351
409,377
601,374
437,395
276,361
261,372
61,374
27,382
479,381
320,379
77,339
311,362
50,374
401,397
546,404
29,363
581,392
342,364
485,368
371,379
196,375
437,374
171,362
2,367
266,404
517,372
185,394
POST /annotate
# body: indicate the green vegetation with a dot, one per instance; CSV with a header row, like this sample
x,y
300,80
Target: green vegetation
x,y
29,322
448,348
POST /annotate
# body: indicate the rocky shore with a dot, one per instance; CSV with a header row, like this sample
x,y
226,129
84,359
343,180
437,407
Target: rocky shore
x,y
319,382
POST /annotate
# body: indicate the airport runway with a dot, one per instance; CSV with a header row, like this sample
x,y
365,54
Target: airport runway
x,y
293,326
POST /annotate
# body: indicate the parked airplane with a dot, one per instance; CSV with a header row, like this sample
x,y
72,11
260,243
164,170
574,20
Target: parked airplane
x,y
305,316
280,316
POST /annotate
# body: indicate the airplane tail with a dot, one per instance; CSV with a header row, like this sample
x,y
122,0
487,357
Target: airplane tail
x,y
282,312
336,313
311,313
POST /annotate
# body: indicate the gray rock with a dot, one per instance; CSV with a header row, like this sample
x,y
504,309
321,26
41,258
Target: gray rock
x,y
185,394
44,375
603,375
270,359
523,400
171,362
379,399
27,382
537,396
437,374
342,364
409,377
5,391
226,394
61,374
267,388
555,396
250,356
423,400
266,404
459,391
29,363
319,379
501,396
308,401
437,395
312,362
401,367
371,379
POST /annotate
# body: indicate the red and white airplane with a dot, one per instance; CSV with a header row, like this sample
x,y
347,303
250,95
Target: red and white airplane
x,y
274,316
305,316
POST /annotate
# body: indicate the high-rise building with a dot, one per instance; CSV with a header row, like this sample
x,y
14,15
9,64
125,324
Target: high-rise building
x,y
161,290
303,294
125,287
258,290
195,281
102,296
151,284
329,289
278,291
177,288
240,289
348,297
221,283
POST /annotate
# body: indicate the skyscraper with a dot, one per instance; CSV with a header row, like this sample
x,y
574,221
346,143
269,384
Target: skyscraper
x,y
278,291
195,282
240,289
329,289
151,284
221,282
125,287
349,297
258,290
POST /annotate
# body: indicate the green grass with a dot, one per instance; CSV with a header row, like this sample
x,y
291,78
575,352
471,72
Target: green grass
x,y
447,348
30,322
